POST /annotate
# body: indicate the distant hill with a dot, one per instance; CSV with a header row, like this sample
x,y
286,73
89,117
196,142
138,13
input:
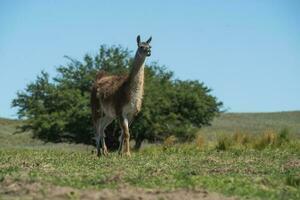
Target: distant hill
x,y
225,123
256,122
10,135
8,126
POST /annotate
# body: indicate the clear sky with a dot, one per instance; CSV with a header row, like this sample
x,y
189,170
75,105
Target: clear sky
x,y
248,52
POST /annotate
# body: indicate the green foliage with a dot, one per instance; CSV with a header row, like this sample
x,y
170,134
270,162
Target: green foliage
x,y
59,110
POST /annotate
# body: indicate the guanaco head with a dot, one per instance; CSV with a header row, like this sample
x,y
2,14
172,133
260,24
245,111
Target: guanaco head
x,y
144,48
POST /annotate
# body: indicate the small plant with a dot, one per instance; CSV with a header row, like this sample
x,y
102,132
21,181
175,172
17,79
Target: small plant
x,y
170,141
293,180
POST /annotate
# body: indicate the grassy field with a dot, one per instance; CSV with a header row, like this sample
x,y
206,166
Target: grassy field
x,y
254,156
255,123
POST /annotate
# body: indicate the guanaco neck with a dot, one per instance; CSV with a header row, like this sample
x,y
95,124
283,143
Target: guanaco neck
x,y
136,75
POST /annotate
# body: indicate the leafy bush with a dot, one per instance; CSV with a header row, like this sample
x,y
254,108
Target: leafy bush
x,y
58,109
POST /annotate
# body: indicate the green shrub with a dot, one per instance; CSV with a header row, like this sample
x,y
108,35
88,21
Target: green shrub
x,y
58,109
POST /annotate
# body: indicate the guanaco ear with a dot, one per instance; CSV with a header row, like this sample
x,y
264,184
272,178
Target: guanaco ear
x,y
149,40
138,40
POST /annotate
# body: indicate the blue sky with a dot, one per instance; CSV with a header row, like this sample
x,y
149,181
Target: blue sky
x,y
248,52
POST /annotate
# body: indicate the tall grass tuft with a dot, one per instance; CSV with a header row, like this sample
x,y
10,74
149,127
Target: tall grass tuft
x,y
242,139
224,142
200,141
268,138
293,180
170,141
272,139
284,136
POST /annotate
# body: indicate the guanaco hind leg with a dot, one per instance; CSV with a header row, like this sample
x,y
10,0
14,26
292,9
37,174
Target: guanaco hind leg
x,y
102,123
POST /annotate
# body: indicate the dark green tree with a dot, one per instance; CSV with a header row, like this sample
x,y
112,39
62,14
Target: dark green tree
x,y
59,109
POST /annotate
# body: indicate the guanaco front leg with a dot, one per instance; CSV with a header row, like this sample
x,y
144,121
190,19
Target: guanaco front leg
x,y
125,137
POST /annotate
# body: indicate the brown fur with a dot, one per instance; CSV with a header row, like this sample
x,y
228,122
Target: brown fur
x,y
110,89
115,89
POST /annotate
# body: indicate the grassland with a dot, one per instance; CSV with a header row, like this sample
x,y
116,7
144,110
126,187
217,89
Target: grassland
x,y
254,156
255,123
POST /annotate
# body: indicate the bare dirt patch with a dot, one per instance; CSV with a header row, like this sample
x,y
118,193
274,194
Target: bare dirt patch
x,y
25,190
